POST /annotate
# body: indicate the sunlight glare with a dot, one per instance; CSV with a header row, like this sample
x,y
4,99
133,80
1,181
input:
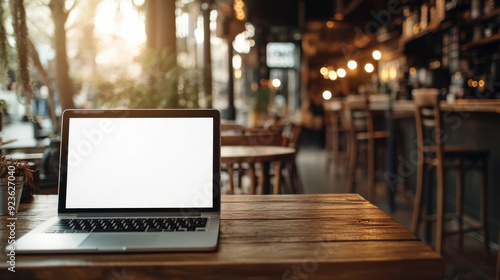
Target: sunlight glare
x,y
129,27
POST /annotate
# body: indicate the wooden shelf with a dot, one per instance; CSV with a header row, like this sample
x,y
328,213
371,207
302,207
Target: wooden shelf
x,y
492,14
430,29
481,42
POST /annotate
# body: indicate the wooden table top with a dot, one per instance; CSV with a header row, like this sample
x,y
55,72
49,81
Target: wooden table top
x,y
330,236
255,153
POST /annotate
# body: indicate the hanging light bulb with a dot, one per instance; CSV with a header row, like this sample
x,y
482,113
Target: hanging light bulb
x,y
341,72
352,64
327,95
332,75
323,71
369,67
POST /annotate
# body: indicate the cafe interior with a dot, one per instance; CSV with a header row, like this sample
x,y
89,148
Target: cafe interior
x,y
379,119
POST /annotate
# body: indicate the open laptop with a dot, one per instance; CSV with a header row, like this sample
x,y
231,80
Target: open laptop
x,y
134,180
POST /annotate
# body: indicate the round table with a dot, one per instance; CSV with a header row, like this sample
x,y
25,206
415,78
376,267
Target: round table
x,y
263,155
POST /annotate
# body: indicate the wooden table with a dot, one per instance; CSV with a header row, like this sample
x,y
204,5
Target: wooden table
x,y
257,154
333,236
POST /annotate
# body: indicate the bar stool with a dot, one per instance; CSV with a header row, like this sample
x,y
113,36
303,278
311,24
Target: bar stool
x,y
335,135
359,121
432,154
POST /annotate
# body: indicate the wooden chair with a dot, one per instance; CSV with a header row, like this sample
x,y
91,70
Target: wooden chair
x,y
433,154
292,138
335,135
256,139
286,136
359,122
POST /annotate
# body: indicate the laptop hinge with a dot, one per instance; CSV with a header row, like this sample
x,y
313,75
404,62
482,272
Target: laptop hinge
x,y
136,214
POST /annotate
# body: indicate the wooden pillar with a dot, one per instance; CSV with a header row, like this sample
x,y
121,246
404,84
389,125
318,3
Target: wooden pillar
x,y
206,8
165,25
150,24
231,110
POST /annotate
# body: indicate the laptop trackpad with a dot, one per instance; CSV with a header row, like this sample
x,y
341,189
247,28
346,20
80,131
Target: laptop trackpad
x,y
120,241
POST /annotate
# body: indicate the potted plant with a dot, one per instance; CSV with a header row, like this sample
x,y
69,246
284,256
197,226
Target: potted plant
x,y
3,109
14,174
259,102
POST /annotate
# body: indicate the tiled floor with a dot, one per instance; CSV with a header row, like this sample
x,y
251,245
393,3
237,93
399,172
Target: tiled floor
x,y
469,263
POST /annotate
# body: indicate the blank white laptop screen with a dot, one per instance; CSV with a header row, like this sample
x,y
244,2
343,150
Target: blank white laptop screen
x,y
140,163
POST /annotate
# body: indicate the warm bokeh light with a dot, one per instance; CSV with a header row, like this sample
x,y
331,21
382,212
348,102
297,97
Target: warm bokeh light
x,y
330,24
341,72
327,95
276,83
384,75
237,74
469,82
481,83
237,61
239,9
369,67
413,71
474,83
393,74
254,86
376,54
323,71
332,75
352,64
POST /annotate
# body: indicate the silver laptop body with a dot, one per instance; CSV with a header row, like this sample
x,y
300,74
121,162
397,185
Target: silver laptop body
x,y
133,166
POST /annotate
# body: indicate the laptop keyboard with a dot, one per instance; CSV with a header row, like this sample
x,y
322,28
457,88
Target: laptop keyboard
x,y
128,225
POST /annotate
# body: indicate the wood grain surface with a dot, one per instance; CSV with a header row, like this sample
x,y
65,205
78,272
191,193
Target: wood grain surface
x,y
333,236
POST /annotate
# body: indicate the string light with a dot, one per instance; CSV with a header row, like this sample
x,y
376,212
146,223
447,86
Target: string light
x,y
332,75
238,9
369,67
352,64
327,95
323,71
341,72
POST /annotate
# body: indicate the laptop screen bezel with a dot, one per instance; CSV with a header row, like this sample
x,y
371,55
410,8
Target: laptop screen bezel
x,y
153,113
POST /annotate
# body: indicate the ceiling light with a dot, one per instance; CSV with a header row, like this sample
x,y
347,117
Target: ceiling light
x,y
341,73
352,64
327,95
323,71
369,67
276,83
332,75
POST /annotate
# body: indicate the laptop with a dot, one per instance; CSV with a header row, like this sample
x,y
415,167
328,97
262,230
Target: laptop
x,y
134,181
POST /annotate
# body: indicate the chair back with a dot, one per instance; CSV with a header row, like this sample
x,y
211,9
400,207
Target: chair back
x,y
357,114
257,139
291,135
428,119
